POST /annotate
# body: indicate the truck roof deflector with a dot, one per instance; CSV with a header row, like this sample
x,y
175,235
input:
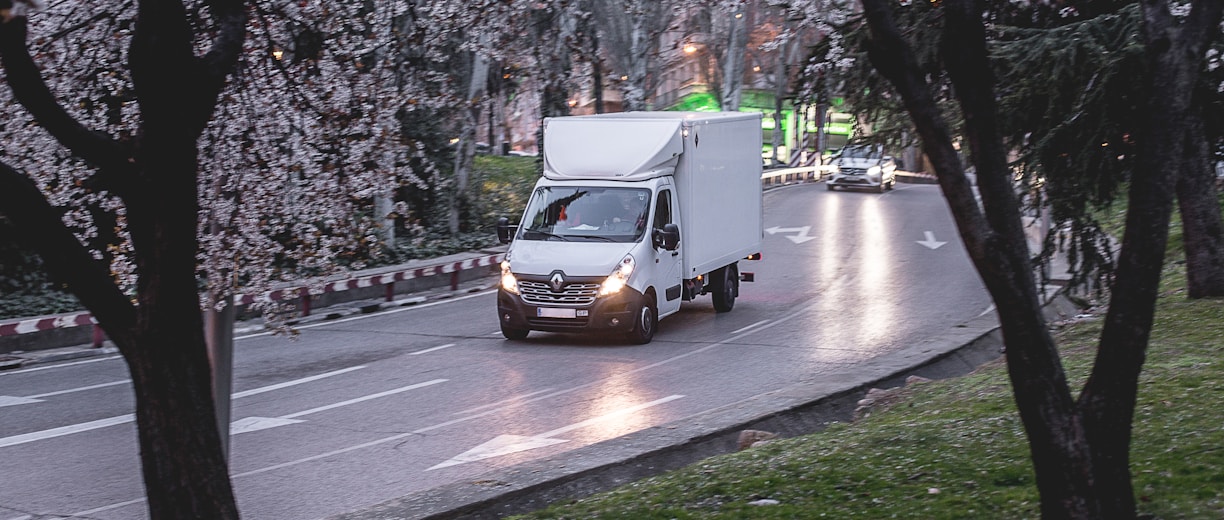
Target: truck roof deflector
x,y
635,149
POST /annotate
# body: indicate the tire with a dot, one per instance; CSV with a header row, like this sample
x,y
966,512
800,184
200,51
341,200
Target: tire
x,y
647,323
883,186
725,288
828,186
513,333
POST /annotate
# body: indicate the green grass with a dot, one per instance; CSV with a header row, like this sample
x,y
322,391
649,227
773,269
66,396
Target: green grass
x,y
956,449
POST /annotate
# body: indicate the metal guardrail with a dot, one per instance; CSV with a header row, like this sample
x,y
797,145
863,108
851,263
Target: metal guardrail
x,y
304,293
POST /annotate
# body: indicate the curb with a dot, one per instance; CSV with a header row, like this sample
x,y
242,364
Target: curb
x,y
799,409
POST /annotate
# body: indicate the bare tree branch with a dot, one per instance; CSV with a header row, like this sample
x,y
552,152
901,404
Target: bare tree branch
x,y
39,225
175,85
23,76
219,61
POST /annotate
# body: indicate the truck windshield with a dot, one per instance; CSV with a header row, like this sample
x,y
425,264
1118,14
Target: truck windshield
x,y
586,213
862,152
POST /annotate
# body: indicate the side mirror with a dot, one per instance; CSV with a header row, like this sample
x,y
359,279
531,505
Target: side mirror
x,y
503,230
668,238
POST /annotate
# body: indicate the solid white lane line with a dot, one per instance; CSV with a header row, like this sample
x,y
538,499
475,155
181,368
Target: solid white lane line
x,y
122,419
295,382
428,350
60,365
91,512
81,389
363,398
502,402
254,423
65,430
762,322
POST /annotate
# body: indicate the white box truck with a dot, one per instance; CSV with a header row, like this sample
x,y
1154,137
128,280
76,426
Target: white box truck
x,y
635,213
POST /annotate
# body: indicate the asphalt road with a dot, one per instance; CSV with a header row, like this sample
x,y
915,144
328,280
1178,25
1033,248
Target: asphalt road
x,y
360,410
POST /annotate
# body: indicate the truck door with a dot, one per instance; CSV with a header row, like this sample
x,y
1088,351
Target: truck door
x,y
668,263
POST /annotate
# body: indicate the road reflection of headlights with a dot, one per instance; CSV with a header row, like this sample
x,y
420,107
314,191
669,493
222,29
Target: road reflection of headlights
x,y
619,277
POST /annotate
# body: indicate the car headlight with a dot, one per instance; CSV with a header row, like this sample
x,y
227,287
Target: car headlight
x,y
508,282
619,277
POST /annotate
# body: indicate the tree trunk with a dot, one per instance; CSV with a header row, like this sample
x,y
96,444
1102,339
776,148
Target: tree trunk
x,y
1198,200
162,336
733,65
184,468
186,474
465,149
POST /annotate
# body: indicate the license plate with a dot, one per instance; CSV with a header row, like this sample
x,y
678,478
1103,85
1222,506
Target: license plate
x,y
548,312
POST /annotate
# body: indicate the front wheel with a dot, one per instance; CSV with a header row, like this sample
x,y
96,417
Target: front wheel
x,y
725,285
647,322
513,333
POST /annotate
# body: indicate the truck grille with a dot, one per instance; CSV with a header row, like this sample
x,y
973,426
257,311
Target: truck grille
x,y
576,294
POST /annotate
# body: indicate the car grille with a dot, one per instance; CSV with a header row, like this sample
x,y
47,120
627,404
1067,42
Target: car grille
x,y
853,171
576,294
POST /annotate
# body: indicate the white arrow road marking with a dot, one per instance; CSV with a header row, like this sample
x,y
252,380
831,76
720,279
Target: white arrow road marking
x,y
254,424
799,238
251,424
123,419
930,241
507,444
6,400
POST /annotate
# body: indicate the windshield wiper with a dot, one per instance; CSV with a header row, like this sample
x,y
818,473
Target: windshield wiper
x,y
547,234
595,237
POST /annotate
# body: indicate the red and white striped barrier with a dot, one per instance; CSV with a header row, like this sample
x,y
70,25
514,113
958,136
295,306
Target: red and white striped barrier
x,y
26,326
30,325
384,279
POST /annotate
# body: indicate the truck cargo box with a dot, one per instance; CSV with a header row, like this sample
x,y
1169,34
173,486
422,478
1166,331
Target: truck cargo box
x,y
715,158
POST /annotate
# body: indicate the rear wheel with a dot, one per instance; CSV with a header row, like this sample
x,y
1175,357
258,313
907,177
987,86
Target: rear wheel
x,y
725,285
647,322
513,333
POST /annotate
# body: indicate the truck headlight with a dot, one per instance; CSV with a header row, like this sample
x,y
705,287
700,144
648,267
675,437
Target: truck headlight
x,y
508,282
619,277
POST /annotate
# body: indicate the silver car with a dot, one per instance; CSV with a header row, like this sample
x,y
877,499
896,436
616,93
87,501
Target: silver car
x,y
863,166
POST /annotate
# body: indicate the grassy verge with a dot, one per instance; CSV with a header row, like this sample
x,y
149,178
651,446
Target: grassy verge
x,y
956,448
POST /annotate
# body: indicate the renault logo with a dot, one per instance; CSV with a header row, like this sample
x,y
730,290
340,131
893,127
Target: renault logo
x,y
557,281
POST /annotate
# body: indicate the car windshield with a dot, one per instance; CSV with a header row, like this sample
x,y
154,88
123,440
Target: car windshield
x,y
586,214
862,152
